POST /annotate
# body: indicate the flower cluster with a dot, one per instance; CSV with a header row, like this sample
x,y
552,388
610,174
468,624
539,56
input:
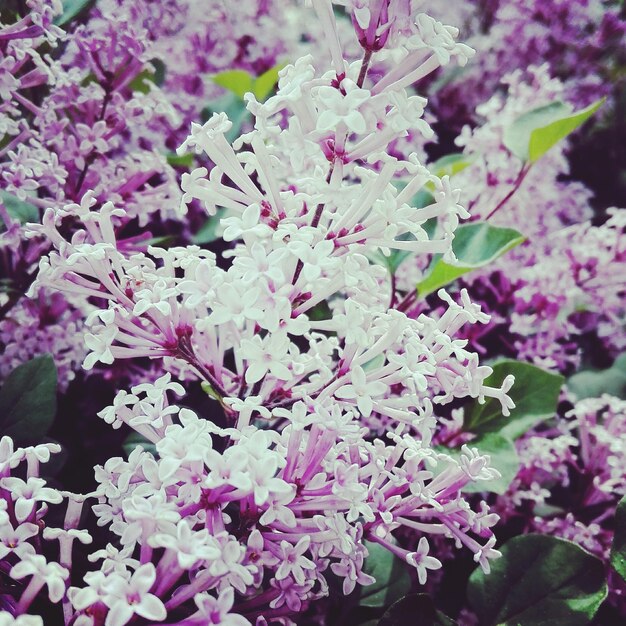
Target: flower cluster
x,y
566,279
581,41
586,448
236,274
82,111
329,395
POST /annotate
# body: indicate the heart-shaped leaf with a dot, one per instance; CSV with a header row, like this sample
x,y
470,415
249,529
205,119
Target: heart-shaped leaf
x,y
416,609
539,581
475,245
392,577
503,458
535,393
238,82
542,139
28,400
241,82
264,84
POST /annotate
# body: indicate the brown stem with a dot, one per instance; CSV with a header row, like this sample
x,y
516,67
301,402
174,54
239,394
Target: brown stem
x,y
365,63
317,216
393,291
407,301
516,185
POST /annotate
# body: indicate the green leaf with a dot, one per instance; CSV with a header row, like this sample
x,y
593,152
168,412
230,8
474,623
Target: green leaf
x,y
236,110
320,312
208,231
265,83
475,245
392,577
591,384
155,74
28,400
532,134
18,209
503,458
535,393
542,139
618,549
416,609
135,439
164,241
238,82
449,165
539,581
71,10
139,82
185,160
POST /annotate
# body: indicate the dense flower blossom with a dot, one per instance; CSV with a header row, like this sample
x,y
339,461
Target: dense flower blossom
x,y
580,40
247,509
90,116
292,395
587,446
568,276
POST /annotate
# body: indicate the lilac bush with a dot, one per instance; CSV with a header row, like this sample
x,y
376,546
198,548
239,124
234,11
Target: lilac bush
x,y
348,370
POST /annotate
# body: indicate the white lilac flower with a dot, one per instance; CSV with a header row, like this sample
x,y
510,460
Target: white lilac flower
x,y
421,561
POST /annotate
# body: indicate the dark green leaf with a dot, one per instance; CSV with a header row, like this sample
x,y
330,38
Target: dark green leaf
x,y
592,384
28,400
19,209
71,10
320,312
535,393
392,577
475,245
539,581
139,82
503,458
618,549
208,231
135,439
416,609
154,74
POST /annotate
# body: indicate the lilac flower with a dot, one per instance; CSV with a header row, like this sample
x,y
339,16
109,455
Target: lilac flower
x,y
216,610
128,597
26,494
421,561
